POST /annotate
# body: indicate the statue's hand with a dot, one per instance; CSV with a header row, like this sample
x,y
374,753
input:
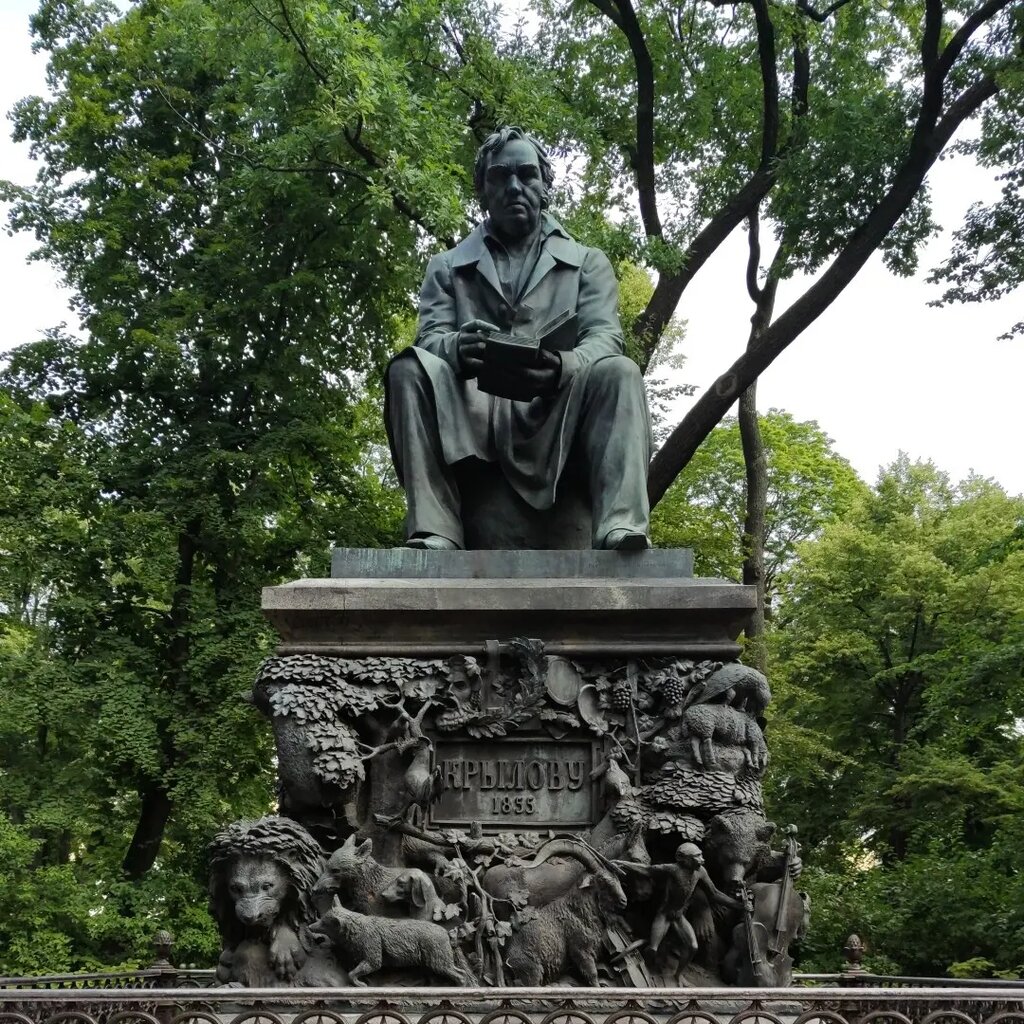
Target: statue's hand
x,y
472,344
224,965
796,867
542,379
704,926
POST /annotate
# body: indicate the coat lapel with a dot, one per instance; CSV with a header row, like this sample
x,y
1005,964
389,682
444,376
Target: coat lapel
x,y
558,248
473,250
544,265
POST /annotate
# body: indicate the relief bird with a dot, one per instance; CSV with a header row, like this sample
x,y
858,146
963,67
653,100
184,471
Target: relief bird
x,y
420,785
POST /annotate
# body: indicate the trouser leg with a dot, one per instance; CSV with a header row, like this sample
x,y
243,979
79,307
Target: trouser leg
x,y
431,493
615,437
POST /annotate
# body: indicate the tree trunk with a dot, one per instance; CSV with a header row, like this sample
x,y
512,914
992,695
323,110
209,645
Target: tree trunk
x,y
755,462
154,813
156,806
715,402
902,724
756,465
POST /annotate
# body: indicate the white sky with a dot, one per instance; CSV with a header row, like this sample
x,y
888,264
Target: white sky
x,y
880,371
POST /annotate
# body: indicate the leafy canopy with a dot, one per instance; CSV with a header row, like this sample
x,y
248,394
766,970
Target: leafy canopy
x,y
899,671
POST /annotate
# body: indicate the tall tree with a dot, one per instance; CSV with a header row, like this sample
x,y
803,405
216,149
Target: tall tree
x,y
808,485
823,122
900,677
241,273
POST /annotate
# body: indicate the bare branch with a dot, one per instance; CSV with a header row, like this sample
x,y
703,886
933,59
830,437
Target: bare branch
x,y
820,16
354,139
753,255
769,82
266,19
641,156
457,44
608,9
930,35
966,104
801,77
301,44
652,322
925,147
963,34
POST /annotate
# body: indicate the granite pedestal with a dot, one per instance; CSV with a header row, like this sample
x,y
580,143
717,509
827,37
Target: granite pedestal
x,y
403,602
446,712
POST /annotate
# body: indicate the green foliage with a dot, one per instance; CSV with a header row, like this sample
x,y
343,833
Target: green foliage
x,y
809,485
80,915
836,158
242,197
899,663
987,260
228,193
942,912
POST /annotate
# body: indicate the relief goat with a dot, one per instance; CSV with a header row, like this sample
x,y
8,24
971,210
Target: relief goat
x,y
544,882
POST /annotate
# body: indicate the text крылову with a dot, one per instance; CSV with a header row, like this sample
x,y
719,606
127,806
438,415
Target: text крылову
x,y
517,776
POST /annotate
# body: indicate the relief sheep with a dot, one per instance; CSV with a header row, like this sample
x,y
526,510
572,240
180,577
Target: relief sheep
x,y
569,931
705,723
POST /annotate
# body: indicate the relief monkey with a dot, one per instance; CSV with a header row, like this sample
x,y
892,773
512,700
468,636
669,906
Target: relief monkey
x,y
680,880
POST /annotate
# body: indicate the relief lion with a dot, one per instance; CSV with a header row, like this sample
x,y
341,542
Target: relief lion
x,y
262,874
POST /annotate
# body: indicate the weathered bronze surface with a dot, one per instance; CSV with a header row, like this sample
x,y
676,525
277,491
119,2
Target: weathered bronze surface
x,y
566,806
439,616
568,429
505,767
410,564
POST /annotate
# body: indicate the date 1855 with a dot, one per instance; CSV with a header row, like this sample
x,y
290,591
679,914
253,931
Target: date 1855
x,y
513,805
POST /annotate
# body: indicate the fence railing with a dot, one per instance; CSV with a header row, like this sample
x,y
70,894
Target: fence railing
x,y
812,1005
865,979
150,977
191,977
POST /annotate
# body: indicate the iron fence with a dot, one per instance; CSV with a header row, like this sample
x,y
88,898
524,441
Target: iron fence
x,y
191,977
864,979
812,1005
150,977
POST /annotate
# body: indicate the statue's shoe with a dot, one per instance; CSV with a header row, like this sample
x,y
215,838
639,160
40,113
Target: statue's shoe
x,y
626,540
431,542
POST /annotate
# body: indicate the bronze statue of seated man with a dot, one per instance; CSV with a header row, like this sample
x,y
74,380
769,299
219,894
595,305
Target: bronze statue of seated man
x,y
519,363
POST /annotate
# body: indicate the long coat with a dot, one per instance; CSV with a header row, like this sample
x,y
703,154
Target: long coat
x,y
531,441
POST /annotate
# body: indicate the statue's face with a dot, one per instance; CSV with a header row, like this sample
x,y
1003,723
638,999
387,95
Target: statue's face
x,y
513,190
689,856
259,888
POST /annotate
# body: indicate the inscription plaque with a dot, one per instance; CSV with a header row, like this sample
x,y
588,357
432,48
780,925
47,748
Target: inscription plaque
x,y
515,784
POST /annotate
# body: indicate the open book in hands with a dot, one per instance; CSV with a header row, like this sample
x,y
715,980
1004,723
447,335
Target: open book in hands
x,y
506,352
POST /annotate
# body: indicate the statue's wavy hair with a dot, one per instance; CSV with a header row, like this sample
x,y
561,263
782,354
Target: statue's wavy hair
x,y
496,141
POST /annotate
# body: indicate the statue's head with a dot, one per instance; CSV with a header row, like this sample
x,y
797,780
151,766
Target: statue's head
x,y
513,178
262,872
689,855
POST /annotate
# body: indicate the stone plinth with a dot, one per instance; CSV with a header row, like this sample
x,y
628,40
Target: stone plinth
x,y
431,604
520,720
407,563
